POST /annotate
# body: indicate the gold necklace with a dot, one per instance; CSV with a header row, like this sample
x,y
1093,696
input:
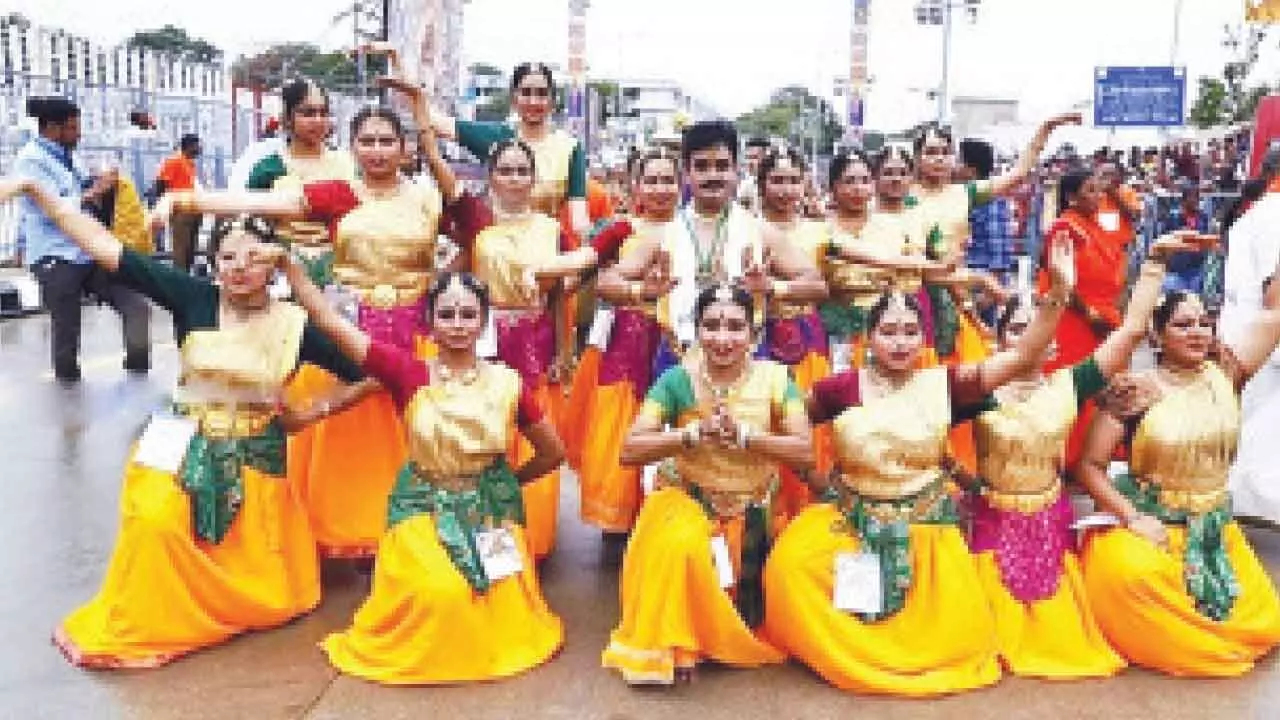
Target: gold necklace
x,y
449,376
884,385
721,391
1179,377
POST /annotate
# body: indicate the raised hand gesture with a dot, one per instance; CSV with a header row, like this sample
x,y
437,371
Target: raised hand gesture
x,y
1062,264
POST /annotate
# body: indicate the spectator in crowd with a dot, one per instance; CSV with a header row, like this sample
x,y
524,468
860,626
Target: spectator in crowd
x,y
991,224
64,271
178,173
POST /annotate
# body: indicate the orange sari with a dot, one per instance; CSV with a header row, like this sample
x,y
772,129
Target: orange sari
x,y
1101,264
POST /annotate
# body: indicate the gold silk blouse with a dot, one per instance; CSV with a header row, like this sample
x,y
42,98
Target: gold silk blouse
x,y
331,165
504,251
232,378
552,156
886,234
1186,440
810,238
948,210
732,478
389,241
892,446
1021,443
457,429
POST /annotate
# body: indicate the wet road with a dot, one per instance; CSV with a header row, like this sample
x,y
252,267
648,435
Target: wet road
x,y
60,456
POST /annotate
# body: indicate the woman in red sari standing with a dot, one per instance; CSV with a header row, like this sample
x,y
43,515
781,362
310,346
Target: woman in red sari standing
x,y
1093,310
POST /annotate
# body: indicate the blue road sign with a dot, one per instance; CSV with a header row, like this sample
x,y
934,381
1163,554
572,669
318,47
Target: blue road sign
x,y
1139,96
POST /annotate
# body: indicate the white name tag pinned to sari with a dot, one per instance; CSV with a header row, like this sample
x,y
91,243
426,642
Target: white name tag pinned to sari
x,y
601,328
487,345
859,586
649,478
724,565
841,357
164,442
499,553
1109,221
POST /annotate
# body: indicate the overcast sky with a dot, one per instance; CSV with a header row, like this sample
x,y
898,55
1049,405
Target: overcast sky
x,y
732,53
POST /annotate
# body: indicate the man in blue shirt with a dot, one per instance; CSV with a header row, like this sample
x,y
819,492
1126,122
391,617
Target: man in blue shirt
x,y
63,270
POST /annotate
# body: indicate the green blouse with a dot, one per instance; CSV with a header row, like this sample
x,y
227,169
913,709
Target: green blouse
x,y
672,396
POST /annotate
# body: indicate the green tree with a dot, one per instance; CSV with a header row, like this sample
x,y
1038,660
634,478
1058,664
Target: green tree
x,y
1211,106
278,64
1231,98
794,113
174,41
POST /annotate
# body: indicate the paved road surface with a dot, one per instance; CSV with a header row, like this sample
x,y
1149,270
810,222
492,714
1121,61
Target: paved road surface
x,y
60,455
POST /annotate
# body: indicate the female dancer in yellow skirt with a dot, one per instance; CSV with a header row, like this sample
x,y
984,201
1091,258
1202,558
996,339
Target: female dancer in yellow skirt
x,y
1021,529
1176,588
455,592
691,574
506,256
219,544
875,589
612,389
793,331
384,235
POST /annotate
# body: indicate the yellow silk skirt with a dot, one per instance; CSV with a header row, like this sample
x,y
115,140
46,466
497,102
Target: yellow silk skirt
x,y
345,465
1140,599
942,641
542,496
575,420
167,594
674,612
424,624
610,493
1056,638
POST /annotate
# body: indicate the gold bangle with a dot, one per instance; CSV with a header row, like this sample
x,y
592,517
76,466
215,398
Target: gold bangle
x,y
779,287
635,291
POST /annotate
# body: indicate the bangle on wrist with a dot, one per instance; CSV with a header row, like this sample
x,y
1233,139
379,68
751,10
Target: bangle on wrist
x,y
635,291
779,288
745,433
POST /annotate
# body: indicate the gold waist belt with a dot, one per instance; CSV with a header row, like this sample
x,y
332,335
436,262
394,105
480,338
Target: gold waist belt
x,y
791,311
1023,502
733,503
1192,501
386,295
905,509
220,422
879,489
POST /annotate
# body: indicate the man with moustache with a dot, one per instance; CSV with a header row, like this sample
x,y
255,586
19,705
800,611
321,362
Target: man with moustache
x,y
717,240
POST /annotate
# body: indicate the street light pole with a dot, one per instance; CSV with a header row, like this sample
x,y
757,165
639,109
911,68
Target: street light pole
x,y
944,88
